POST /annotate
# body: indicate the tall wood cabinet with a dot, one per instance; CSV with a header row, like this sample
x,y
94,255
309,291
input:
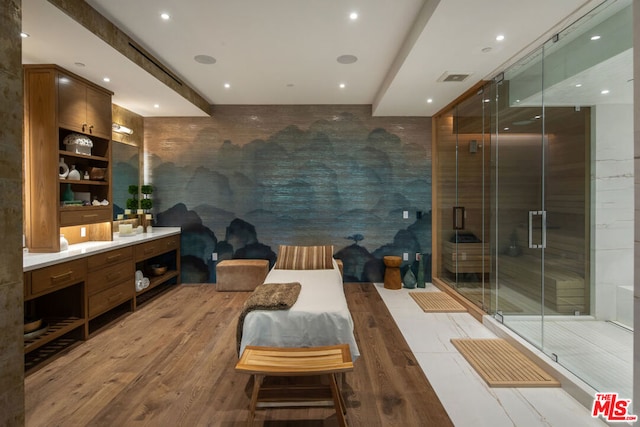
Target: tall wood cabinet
x,y
58,103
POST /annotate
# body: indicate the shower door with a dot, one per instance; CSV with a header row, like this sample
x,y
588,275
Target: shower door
x,y
541,175
518,209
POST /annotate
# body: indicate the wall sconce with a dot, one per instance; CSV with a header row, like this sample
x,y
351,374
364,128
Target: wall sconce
x,y
121,129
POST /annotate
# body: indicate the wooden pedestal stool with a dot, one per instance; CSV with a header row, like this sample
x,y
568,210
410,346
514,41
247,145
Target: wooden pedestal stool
x,y
392,279
296,362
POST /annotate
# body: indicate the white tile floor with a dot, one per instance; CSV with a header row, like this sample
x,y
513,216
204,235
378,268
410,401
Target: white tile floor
x,y
465,396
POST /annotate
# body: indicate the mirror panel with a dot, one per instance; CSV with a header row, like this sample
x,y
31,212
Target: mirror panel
x,y
126,156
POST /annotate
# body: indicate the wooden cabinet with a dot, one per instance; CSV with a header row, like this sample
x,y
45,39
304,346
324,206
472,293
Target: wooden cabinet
x,y
83,108
77,298
110,281
54,294
56,104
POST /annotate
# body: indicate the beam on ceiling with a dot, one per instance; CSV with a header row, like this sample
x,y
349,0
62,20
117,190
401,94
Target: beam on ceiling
x,y
84,14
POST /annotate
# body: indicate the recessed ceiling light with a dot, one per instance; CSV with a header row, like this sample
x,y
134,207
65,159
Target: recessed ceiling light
x,y
506,128
227,85
500,37
429,100
24,35
165,16
156,105
347,59
605,91
537,117
353,16
342,85
106,79
487,100
517,100
205,59
594,38
578,84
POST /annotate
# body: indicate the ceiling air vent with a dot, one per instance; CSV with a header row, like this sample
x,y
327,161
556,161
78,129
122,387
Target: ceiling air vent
x,y
453,77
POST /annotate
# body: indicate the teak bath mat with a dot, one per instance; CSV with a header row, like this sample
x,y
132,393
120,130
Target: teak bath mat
x,y
437,302
502,365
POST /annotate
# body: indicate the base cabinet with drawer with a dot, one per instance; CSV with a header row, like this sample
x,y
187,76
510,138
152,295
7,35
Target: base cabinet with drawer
x,y
110,283
75,299
55,298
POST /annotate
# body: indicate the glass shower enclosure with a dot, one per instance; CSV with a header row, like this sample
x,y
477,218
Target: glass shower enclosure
x,y
535,197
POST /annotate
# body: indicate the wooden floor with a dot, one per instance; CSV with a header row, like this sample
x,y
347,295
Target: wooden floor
x,y
172,364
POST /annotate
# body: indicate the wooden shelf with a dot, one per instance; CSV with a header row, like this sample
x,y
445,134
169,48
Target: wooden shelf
x,y
37,358
82,182
158,280
57,328
65,153
150,293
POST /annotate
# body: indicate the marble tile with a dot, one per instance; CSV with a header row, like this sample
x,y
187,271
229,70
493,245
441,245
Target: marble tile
x,y
465,396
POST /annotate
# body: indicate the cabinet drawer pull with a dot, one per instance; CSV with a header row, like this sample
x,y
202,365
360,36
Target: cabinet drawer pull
x,y
89,215
62,276
149,250
113,276
115,297
112,258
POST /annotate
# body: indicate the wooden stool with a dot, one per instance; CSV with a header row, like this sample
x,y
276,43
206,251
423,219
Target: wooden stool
x,y
241,274
296,362
392,279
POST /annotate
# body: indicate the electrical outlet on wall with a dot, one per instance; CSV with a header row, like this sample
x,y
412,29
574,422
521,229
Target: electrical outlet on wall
x,y
405,256
214,256
405,214
83,231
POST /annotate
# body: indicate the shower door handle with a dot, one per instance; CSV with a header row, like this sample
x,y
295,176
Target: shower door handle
x,y
543,217
458,217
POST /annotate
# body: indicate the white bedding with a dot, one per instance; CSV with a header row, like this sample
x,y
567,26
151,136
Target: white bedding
x,y
320,315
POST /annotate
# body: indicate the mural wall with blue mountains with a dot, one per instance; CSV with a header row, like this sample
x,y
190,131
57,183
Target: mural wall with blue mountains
x,y
251,178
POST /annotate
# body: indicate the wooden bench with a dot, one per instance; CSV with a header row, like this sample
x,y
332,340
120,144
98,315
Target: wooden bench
x,y
326,361
565,291
466,257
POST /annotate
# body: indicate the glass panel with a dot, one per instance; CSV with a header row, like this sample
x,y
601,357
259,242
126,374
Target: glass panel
x,y
472,246
518,172
447,195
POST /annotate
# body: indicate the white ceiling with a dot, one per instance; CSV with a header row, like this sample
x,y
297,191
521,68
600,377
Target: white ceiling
x,y
285,51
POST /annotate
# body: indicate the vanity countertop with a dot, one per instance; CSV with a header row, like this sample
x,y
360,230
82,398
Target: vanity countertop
x,y
32,261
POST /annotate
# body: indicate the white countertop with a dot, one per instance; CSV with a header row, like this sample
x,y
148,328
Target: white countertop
x,y
32,261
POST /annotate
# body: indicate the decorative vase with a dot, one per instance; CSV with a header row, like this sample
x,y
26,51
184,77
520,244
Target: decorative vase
x,y
68,195
409,280
420,279
64,243
63,169
74,174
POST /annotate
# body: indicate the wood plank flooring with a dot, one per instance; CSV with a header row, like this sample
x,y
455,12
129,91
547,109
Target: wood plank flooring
x,y
172,364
